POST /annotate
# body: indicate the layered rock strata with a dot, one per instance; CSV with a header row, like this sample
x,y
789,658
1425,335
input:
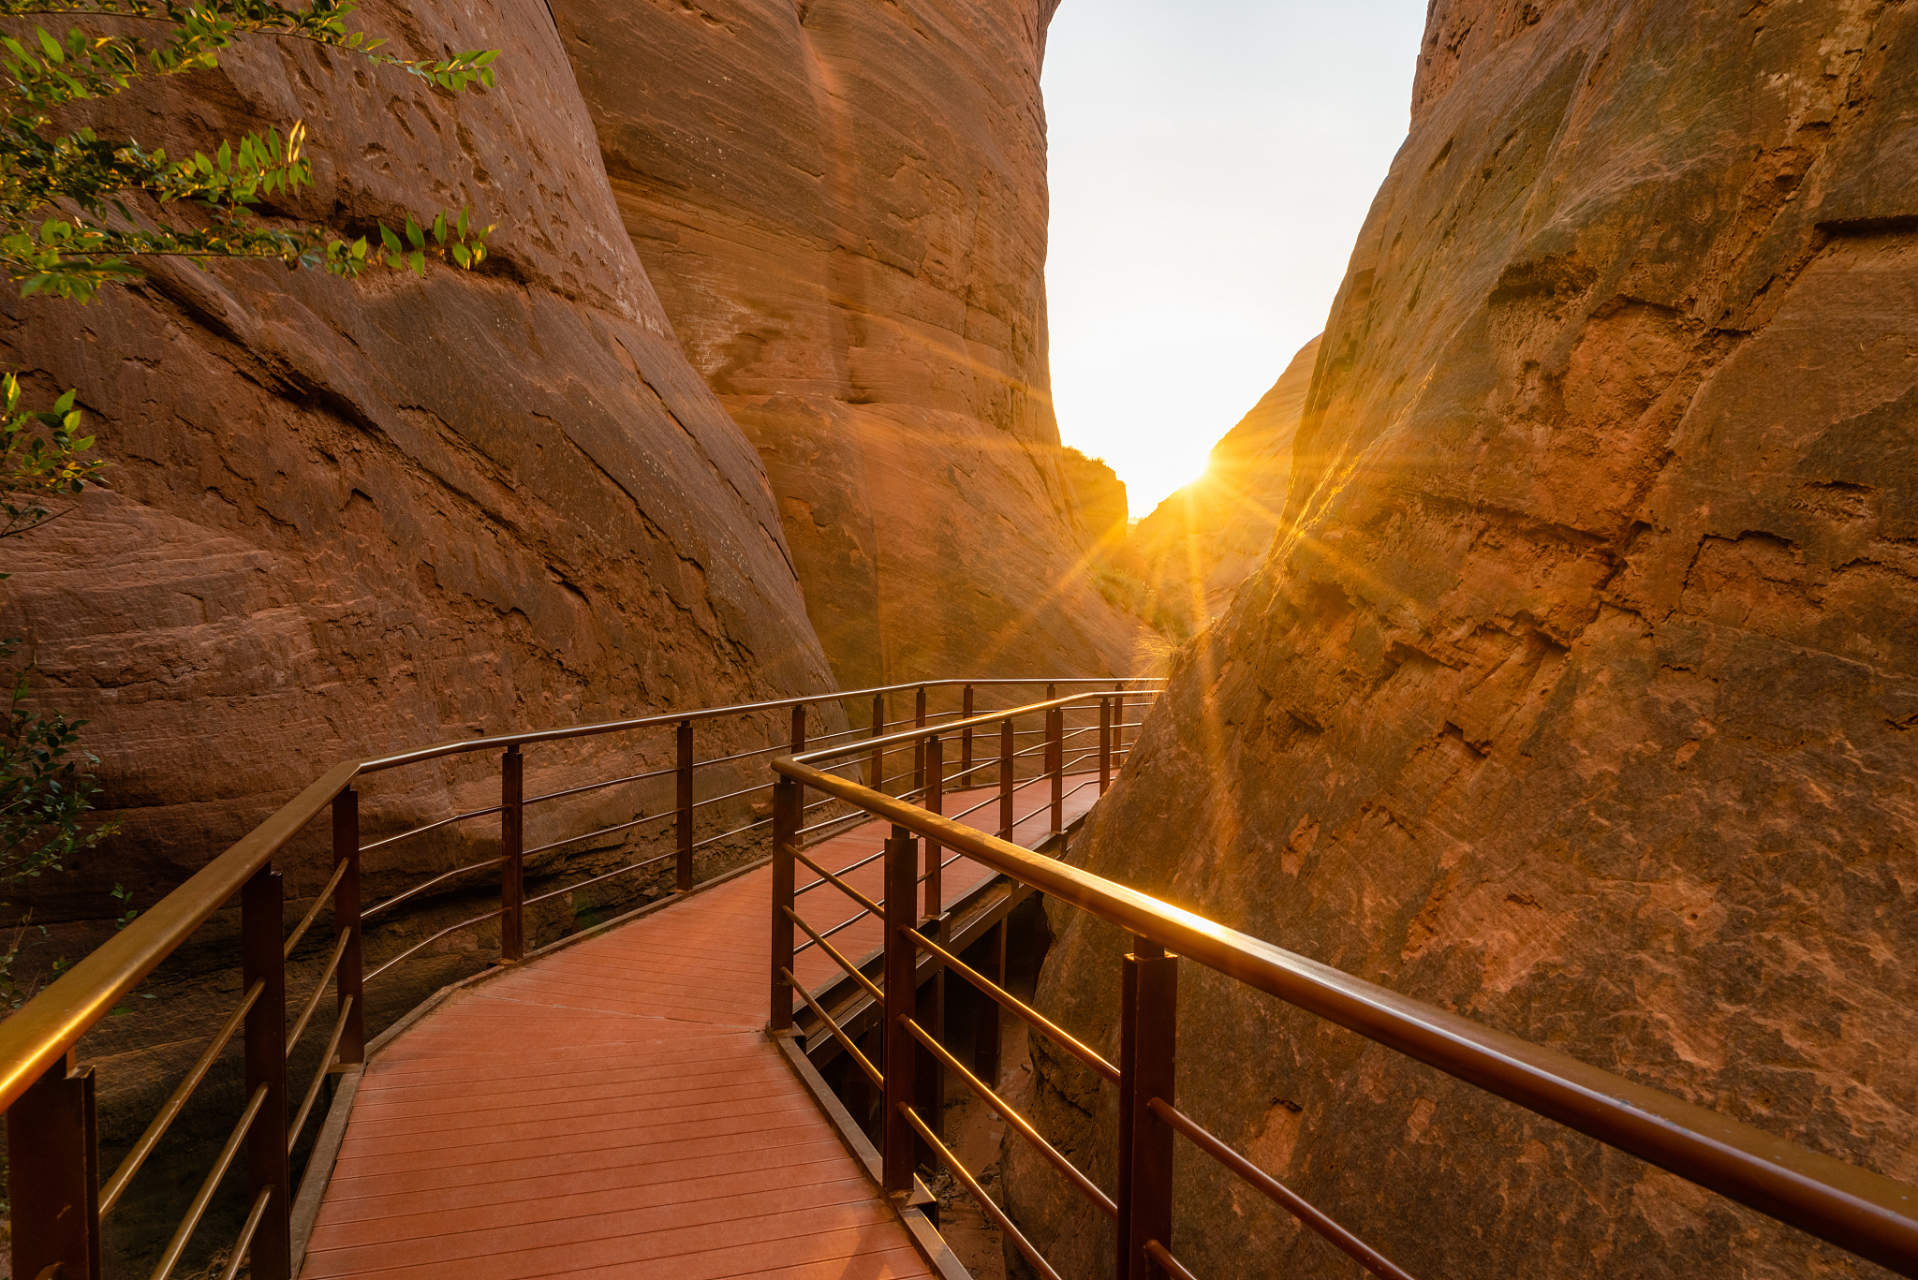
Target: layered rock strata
x,y
843,207
347,518
1577,695
1197,546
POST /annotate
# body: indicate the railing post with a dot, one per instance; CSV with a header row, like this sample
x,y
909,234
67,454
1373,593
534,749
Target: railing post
x,y
965,740
512,840
262,933
53,1175
878,780
1005,779
919,745
346,924
684,880
788,804
799,728
1118,721
1148,1037
1105,744
1056,765
935,802
898,1139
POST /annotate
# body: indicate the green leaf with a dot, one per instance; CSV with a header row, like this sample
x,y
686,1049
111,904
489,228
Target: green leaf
x,y
419,264
52,46
439,227
414,234
387,238
462,255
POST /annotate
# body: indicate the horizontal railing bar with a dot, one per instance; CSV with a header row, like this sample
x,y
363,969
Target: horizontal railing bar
x,y
502,741
319,1076
852,970
978,1193
237,1258
313,913
598,786
554,893
872,1072
464,924
863,862
197,1210
1065,1039
1867,1213
170,1109
431,826
603,831
730,795
319,990
736,831
847,923
992,718
1051,1154
1291,1201
1173,1267
423,886
840,885
39,1033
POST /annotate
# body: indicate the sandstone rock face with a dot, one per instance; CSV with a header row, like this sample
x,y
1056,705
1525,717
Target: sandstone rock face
x,y
1101,494
1578,693
843,207
347,518
1197,546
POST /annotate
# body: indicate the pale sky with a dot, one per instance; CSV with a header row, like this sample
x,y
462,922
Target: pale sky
x,y
1211,165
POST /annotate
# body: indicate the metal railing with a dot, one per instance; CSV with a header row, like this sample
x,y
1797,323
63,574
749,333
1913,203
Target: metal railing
x,y
59,1200
1860,1211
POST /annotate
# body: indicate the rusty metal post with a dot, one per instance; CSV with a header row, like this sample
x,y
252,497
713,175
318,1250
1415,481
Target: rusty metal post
x,y
53,1175
788,806
1148,1035
985,1035
1056,765
799,728
965,740
262,933
346,924
897,1136
878,779
512,867
1005,779
684,881
935,802
919,745
1105,744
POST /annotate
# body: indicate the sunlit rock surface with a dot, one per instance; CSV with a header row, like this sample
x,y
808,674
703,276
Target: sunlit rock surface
x,y
347,518
1581,698
843,206
1198,545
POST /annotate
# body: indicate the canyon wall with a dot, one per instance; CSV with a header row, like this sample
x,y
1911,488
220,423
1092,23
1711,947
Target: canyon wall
x,y
1198,545
1578,693
843,206
344,518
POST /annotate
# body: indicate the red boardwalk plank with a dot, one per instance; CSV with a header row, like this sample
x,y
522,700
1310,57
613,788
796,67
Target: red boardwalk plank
x,y
614,1109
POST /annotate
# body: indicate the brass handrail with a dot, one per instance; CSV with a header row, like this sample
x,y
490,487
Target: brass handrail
x,y
41,1031
1864,1212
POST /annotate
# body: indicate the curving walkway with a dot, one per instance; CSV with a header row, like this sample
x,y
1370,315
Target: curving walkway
x,y
615,1109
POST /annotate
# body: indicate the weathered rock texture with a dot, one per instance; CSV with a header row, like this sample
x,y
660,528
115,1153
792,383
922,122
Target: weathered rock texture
x,y
347,518
843,207
1198,545
1102,496
1581,697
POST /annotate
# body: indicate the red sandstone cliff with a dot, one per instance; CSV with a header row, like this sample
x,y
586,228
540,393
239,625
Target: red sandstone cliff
x,y
1578,696
843,206
351,517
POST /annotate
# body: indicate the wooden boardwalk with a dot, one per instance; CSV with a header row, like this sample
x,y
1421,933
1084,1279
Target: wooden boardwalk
x,y
616,1109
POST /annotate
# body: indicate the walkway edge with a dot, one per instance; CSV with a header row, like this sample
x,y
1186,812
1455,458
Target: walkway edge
x,y
925,1236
